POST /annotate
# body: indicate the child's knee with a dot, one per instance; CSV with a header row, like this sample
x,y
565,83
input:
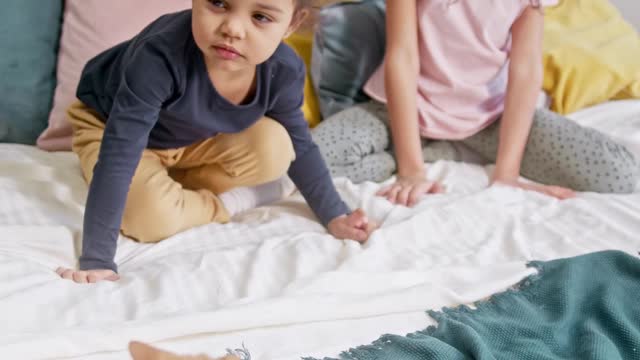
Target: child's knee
x,y
377,167
619,168
621,179
87,126
273,151
149,219
352,134
613,176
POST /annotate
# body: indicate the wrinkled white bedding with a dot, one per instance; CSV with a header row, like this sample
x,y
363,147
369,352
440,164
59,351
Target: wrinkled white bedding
x,y
274,279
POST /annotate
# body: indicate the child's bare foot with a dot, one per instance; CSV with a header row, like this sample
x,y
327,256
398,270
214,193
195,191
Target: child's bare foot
x,y
141,351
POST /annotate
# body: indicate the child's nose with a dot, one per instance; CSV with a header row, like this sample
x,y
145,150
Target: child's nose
x,y
233,27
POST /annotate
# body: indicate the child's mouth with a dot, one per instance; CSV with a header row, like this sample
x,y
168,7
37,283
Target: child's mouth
x,y
226,52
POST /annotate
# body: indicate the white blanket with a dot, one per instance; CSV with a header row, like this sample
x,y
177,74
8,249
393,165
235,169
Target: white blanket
x,y
274,279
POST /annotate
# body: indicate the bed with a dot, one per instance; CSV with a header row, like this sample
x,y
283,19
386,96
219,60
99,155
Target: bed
x,y
274,280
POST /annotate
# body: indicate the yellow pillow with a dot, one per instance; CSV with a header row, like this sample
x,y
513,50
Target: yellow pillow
x,y
302,42
590,55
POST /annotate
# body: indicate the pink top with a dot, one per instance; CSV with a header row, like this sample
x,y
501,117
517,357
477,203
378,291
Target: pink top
x,y
464,64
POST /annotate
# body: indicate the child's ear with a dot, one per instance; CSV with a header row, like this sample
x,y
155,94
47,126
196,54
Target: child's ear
x,y
298,19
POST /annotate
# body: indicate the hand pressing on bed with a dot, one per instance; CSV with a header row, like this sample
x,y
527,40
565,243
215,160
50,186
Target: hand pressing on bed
x,y
87,276
409,190
355,226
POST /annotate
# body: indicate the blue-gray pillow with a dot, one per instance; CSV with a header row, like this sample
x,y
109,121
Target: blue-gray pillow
x,y
29,32
348,47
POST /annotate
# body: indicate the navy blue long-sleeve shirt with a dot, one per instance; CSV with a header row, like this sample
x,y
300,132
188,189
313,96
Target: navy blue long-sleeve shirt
x,y
154,92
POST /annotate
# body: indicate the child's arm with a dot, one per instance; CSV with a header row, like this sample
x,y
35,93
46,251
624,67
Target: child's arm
x,y
525,82
401,72
135,111
309,171
123,142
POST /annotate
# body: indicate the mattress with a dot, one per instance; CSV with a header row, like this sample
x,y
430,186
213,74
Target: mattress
x,y
273,280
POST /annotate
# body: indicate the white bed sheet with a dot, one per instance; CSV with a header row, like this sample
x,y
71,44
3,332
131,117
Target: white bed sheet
x,y
274,279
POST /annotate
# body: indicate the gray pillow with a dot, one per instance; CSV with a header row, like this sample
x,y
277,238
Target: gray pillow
x,y
348,47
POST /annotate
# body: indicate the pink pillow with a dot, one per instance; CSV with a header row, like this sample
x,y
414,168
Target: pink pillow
x,y
91,26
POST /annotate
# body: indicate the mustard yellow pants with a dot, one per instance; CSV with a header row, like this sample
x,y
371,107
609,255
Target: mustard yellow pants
x,y
174,190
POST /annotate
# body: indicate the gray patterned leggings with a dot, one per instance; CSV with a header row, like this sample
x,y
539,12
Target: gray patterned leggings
x,y
356,143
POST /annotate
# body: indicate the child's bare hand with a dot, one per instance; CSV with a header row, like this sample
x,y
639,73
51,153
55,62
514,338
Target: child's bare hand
x,y
88,276
557,192
354,226
407,190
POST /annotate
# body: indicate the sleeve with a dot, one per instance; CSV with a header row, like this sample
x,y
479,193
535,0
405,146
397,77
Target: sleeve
x,y
146,84
308,171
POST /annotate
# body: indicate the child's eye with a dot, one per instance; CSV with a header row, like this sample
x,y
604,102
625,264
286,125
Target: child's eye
x,y
262,18
218,3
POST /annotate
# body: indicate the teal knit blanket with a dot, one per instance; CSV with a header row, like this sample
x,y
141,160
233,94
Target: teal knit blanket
x,y
586,307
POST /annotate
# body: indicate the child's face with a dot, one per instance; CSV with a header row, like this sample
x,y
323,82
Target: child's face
x,y
235,35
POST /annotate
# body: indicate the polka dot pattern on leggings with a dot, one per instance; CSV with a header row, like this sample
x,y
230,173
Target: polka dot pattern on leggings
x,y
354,143
561,152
